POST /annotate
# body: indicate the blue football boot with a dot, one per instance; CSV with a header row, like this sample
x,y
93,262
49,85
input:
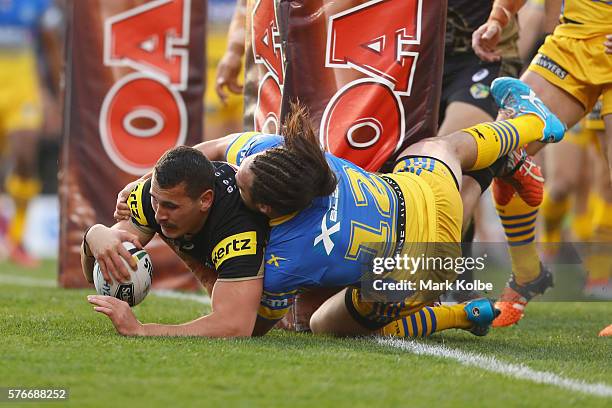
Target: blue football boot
x,y
518,99
481,312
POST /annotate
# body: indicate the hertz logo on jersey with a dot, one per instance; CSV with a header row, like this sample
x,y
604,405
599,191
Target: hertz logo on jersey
x,y
134,202
241,244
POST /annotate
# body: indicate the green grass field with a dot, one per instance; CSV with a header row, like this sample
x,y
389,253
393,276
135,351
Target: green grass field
x,y
50,337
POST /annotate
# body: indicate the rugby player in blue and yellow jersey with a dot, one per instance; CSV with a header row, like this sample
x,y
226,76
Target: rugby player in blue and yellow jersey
x,y
330,217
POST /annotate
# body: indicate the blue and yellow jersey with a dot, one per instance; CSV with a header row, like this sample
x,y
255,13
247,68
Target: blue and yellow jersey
x,y
331,242
19,22
585,18
20,101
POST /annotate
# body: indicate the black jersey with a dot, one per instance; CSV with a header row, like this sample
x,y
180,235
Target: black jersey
x,y
463,18
233,239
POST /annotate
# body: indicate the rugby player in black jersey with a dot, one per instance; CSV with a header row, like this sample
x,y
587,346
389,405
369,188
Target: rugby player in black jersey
x,y
195,206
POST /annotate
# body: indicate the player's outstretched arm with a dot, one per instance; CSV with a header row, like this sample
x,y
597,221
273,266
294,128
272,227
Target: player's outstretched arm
x,y
215,149
487,36
234,310
103,244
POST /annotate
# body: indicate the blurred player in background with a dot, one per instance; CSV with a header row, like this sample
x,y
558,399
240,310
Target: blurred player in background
x,y
22,23
607,332
223,98
229,68
569,73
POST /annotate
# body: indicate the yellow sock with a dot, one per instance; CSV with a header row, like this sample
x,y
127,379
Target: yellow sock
x,y
427,321
602,221
21,190
599,263
553,213
17,225
518,220
496,139
582,227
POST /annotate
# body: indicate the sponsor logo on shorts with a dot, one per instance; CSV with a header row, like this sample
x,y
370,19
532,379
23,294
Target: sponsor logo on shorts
x,y
241,244
480,75
550,65
479,91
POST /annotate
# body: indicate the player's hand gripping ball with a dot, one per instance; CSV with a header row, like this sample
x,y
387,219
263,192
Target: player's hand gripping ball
x,y
136,289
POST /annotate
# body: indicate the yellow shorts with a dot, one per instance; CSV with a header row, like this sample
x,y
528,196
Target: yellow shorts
x,y
578,66
433,230
20,101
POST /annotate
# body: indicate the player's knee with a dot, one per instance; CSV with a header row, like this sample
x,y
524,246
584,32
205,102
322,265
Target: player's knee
x,y
317,322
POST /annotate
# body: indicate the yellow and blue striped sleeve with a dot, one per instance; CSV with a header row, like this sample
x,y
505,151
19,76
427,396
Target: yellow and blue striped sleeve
x,y
274,306
237,145
249,143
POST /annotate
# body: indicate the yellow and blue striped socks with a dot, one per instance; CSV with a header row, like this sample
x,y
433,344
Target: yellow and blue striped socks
x,y
519,222
427,321
497,139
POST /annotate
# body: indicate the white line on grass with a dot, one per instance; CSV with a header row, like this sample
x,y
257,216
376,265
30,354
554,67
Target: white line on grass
x,y
489,363
50,283
27,281
205,300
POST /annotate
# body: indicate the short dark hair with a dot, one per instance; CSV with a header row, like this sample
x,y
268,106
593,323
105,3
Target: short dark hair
x,y
187,165
289,177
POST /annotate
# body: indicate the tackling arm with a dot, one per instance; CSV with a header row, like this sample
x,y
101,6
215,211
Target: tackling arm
x,y
215,149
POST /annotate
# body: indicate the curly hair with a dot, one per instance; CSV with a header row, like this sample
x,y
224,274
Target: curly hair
x,y
289,177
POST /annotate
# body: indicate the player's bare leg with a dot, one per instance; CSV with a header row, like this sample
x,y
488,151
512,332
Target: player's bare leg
x,y
561,104
563,168
460,115
333,317
598,262
480,146
22,186
608,140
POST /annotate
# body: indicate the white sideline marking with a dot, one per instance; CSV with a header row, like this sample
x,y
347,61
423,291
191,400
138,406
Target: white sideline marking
x,y
49,283
489,363
27,281
205,300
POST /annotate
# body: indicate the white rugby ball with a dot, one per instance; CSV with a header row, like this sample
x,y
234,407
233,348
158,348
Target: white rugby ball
x,y
135,290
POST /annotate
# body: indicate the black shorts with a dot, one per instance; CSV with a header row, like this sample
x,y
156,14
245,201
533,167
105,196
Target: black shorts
x,y
468,79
